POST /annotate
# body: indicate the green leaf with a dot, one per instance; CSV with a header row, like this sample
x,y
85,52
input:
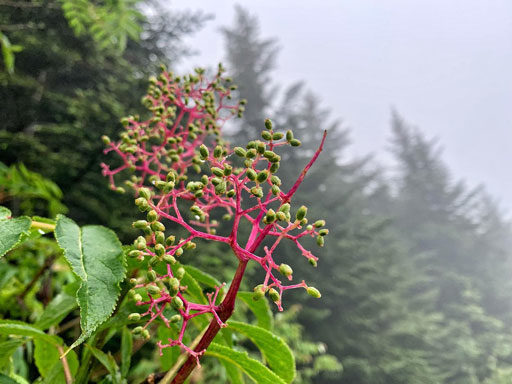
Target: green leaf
x,y
7,380
274,350
13,327
202,277
235,375
5,213
7,348
12,232
107,361
47,356
260,308
126,351
59,307
96,257
251,367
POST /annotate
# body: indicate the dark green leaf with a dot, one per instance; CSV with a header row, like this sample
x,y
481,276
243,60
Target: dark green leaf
x,y
7,348
96,257
59,308
126,351
12,232
251,367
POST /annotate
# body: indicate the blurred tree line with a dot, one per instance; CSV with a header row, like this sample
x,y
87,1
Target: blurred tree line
x,y
415,276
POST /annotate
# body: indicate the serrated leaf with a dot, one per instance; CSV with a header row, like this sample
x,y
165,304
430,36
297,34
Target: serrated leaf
x,y
274,350
260,308
96,257
252,368
126,351
7,348
12,232
47,356
58,308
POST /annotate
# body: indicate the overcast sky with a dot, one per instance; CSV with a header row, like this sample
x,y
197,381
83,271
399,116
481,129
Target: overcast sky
x,y
444,65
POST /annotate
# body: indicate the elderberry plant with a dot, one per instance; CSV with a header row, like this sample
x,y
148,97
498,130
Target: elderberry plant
x,y
183,174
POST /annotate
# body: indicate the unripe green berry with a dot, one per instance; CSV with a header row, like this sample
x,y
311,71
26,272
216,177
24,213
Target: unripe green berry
x,y
180,272
312,291
262,176
134,253
177,303
137,330
239,151
274,295
159,250
145,193
319,223
203,151
251,174
266,135
140,224
134,316
152,216
285,270
301,213
151,275
153,289
174,286
137,297
157,226
259,292
175,319
275,180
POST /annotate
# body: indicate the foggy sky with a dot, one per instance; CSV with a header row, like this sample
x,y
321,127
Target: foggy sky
x,y
445,66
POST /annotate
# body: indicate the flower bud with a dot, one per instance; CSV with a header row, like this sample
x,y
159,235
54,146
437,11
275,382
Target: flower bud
x,y
257,191
295,143
105,139
275,190
285,208
281,216
178,252
145,334
174,286
268,124
157,226
251,174
170,240
175,319
151,275
159,250
137,297
145,193
152,216
262,176
180,272
239,151
140,224
312,291
266,135
203,151
274,167
275,180
160,237
323,232
301,213
177,303
313,262
274,295
285,270
134,316
320,241
217,152
137,330
319,223
270,217
217,171
169,259
259,292
289,135
134,253
277,136
153,289
231,193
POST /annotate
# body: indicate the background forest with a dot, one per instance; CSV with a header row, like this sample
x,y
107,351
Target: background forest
x,y
416,278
